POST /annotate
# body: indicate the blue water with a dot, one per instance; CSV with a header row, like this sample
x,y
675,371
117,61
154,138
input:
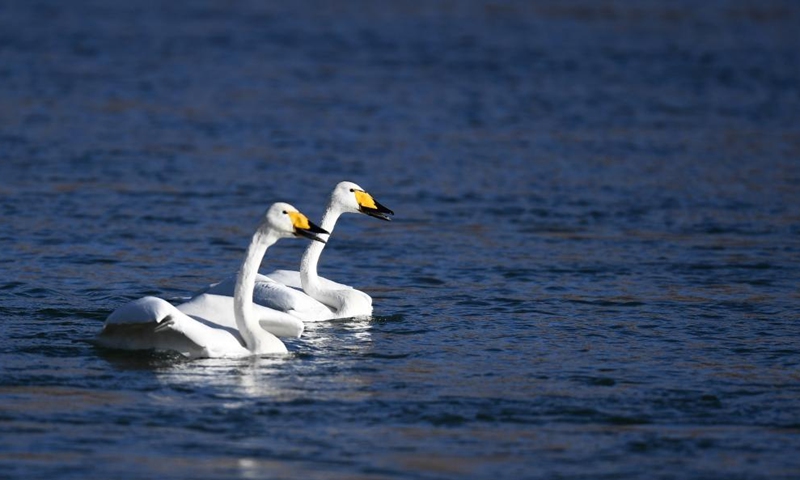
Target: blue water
x,y
592,273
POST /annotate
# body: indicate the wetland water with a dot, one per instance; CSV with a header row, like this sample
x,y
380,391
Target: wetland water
x,y
592,272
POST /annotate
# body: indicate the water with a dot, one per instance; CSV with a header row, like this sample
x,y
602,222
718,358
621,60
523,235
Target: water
x,y
592,272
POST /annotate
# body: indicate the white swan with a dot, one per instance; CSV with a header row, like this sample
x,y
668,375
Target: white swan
x,y
153,323
323,299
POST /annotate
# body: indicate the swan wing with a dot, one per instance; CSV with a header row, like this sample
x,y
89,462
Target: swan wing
x,y
350,301
266,292
291,278
228,285
273,296
218,310
292,301
153,323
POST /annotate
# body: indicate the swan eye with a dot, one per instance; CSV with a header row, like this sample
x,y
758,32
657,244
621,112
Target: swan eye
x,y
352,189
285,212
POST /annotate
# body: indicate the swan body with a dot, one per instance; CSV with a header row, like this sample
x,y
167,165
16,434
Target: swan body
x,y
320,299
153,323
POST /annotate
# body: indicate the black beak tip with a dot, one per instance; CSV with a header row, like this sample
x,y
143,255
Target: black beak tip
x,y
379,212
311,232
309,235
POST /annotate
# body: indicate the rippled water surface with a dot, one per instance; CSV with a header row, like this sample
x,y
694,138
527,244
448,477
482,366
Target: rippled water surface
x,y
593,270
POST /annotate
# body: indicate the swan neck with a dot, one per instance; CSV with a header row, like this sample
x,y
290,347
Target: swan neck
x,y
309,278
248,326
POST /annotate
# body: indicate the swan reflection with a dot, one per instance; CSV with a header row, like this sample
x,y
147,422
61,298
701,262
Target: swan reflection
x,y
323,363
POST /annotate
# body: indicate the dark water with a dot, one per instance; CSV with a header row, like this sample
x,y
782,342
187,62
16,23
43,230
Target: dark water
x,y
593,271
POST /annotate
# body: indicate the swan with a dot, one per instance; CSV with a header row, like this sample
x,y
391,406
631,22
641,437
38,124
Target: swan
x,y
320,298
153,323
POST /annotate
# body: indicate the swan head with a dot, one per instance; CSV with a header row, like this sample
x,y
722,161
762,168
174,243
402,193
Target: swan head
x,y
287,221
354,199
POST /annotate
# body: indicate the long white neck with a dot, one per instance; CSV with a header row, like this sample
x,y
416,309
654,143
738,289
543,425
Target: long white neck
x,y
256,339
308,265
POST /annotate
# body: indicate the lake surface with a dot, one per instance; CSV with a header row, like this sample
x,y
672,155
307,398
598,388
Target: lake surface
x,y
592,273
